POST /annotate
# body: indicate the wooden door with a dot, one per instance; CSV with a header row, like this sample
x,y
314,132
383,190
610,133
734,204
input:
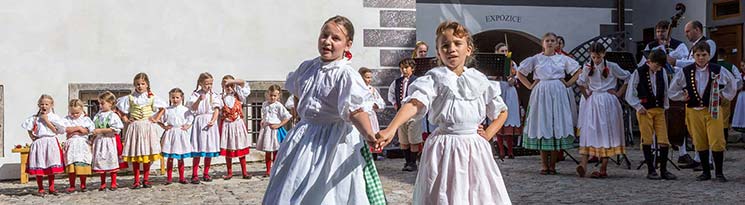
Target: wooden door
x,y
729,38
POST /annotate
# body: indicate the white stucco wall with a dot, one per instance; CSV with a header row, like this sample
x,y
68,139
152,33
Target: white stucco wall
x,y
575,24
47,44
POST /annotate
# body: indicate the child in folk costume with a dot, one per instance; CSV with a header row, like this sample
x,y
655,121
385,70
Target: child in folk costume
x,y
376,102
324,159
600,116
512,126
77,149
45,156
410,134
274,116
738,119
456,166
141,110
702,85
176,140
205,135
107,146
548,126
234,140
647,93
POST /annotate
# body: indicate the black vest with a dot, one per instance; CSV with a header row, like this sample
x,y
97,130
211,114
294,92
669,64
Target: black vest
x,y
399,86
644,88
674,43
698,99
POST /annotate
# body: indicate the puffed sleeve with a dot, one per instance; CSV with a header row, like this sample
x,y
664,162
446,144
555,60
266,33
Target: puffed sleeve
x,y
676,87
189,116
122,103
115,123
583,77
494,103
58,122
284,114
88,124
619,72
631,93
738,77
353,94
290,83
243,91
730,84
216,101
158,103
28,124
377,99
192,99
422,90
290,103
527,66
570,65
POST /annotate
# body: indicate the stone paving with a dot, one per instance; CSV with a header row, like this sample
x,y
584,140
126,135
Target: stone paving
x,y
523,182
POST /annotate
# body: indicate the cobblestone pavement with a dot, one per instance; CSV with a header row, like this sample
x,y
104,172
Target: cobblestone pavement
x,y
523,182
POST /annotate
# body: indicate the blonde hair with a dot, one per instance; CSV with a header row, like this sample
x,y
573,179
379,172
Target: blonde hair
x,y
176,91
344,22
460,31
76,104
48,97
107,97
418,43
202,77
144,77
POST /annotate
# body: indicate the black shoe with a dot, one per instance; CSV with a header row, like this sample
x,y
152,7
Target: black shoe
x,y
685,159
414,167
406,168
703,177
721,178
195,180
653,176
667,175
692,165
146,184
207,178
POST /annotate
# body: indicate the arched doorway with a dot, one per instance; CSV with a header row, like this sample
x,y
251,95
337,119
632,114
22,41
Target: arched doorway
x,y
522,45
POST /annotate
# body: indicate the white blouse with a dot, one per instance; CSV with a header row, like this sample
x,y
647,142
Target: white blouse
x,y
457,103
207,105
548,67
140,99
177,116
274,113
328,91
375,99
42,129
115,122
598,83
243,92
82,121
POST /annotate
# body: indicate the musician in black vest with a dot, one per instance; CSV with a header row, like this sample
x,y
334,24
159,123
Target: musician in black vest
x,y
410,133
672,47
695,33
702,85
647,93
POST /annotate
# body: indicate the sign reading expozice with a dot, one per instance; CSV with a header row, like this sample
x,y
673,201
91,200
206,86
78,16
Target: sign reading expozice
x,y
503,18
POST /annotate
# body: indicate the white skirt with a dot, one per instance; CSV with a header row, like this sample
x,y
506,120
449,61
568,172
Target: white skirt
x,y
572,104
459,169
77,150
141,139
45,157
268,141
235,140
318,164
105,154
738,118
601,123
550,113
176,143
205,140
509,95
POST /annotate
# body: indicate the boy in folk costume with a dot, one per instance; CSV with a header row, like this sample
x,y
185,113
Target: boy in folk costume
x,y
409,135
702,85
647,93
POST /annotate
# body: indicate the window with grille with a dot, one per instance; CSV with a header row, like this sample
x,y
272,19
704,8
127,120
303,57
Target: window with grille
x,y
90,97
252,111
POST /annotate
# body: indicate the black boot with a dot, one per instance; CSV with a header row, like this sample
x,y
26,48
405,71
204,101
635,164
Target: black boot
x,y
726,134
414,158
407,157
718,161
706,175
663,164
649,159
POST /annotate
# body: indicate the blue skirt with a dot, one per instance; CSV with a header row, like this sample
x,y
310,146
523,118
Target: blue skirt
x,y
281,134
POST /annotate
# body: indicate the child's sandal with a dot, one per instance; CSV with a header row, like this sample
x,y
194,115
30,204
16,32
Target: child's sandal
x,y
227,177
581,171
70,190
247,176
544,172
595,175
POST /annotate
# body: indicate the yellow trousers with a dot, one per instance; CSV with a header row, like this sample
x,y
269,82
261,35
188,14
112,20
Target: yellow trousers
x,y
653,124
707,133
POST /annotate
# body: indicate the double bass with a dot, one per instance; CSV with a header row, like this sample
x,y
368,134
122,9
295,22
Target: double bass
x,y
677,130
